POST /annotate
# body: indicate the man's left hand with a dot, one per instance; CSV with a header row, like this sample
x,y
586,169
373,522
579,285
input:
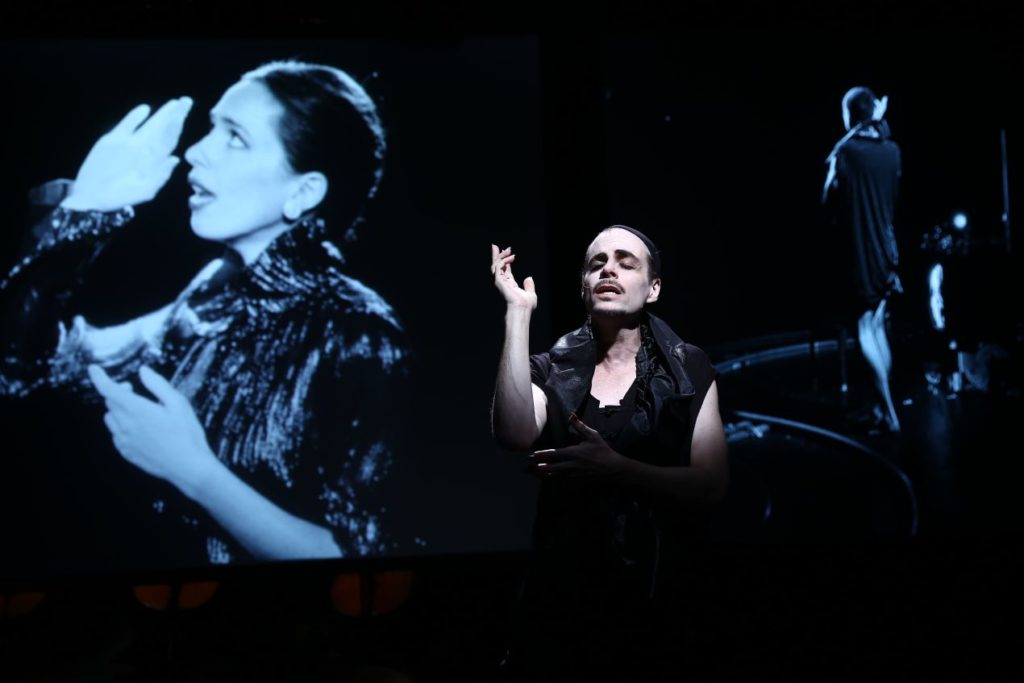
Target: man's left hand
x,y
591,457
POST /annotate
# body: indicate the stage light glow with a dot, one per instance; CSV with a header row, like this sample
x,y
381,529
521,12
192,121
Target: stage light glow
x,y
935,302
959,220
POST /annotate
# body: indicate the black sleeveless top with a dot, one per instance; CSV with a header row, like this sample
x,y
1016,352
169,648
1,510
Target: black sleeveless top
x,y
610,420
595,537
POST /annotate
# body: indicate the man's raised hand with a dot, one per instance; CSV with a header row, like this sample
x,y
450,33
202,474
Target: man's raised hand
x,y
501,269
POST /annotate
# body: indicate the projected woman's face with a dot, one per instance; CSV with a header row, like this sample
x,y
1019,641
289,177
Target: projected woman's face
x,y
240,174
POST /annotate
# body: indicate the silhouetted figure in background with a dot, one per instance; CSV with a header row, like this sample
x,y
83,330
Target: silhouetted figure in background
x,y
862,184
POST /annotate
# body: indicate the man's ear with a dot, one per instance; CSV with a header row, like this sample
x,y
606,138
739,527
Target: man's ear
x,y
655,290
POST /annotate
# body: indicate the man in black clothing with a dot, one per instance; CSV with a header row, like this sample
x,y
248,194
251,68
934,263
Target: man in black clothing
x,y
861,184
621,486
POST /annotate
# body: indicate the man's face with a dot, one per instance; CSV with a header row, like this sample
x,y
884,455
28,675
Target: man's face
x,y
617,280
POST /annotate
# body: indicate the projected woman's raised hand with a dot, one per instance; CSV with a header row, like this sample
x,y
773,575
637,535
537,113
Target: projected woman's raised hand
x,y
130,164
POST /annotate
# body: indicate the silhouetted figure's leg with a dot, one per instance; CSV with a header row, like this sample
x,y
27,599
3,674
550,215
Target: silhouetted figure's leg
x,y
875,347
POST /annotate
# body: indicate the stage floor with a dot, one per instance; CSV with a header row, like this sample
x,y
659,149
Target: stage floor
x,y
950,472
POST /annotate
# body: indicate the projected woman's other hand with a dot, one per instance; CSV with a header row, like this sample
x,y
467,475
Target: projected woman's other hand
x,y
162,437
130,164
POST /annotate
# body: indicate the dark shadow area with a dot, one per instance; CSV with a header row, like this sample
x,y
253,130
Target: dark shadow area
x,y
842,552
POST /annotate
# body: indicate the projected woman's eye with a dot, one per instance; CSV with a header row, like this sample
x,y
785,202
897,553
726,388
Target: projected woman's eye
x,y
236,140
260,393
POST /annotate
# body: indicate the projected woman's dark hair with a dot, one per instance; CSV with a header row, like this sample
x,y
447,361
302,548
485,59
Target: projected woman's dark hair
x,y
340,135
259,392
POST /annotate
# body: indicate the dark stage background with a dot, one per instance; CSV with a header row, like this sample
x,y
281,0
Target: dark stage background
x,y
711,137
717,139
711,140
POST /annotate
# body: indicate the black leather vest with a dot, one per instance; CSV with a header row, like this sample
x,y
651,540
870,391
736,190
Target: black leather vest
x,y
659,431
595,527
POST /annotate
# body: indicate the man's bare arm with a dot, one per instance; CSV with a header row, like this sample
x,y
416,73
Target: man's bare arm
x,y
705,480
519,412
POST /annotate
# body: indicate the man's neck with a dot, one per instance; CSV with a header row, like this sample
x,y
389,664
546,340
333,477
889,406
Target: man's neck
x,y
618,340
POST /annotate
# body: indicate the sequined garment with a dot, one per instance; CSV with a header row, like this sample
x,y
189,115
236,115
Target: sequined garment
x,y
289,364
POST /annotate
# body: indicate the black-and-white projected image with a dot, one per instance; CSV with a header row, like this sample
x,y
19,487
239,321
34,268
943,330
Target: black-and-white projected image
x,y
226,267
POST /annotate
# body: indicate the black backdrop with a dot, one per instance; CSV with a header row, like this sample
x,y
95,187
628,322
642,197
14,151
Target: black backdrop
x,y
717,139
816,609
709,137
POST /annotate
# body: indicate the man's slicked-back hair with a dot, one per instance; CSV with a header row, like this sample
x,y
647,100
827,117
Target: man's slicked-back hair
x,y
653,253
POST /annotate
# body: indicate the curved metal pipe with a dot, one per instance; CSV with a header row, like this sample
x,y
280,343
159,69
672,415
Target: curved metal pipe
x,y
847,441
